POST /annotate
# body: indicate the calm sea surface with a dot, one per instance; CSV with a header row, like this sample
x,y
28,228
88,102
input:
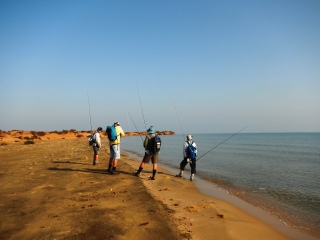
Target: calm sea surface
x,y
279,172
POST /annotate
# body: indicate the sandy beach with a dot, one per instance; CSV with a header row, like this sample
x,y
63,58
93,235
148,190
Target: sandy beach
x,y
51,190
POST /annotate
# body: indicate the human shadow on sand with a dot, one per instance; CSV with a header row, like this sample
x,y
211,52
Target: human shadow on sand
x,y
70,162
102,171
97,171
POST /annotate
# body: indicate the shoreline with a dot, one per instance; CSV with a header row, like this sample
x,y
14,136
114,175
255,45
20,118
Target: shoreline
x,y
216,192
259,213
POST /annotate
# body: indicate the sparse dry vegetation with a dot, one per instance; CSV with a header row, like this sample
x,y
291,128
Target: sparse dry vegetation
x,y
41,134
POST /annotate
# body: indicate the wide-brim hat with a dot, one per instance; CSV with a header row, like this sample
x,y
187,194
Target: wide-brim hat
x,y
151,130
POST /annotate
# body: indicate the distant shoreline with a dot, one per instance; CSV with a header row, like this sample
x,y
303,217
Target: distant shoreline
x,y
30,137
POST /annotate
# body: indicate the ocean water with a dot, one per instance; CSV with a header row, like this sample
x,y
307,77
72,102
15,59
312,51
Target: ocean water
x,y
278,172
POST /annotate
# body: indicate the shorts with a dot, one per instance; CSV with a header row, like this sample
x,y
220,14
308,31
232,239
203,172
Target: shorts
x,y
95,150
115,151
150,156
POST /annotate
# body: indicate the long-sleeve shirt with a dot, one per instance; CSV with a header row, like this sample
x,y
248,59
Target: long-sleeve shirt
x,y
120,133
185,145
97,139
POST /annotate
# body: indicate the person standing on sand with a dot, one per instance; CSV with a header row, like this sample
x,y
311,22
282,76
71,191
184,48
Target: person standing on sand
x,y
115,149
96,145
189,156
151,152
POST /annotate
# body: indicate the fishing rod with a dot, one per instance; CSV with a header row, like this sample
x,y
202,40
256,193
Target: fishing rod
x,y
141,109
89,110
222,142
178,119
135,126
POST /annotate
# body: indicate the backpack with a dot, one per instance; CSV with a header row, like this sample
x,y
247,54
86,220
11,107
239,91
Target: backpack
x,y
191,151
112,133
92,139
155,144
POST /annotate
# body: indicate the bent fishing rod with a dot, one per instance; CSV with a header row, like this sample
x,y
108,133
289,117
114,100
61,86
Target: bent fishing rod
x,y
221,143
135,126
141,109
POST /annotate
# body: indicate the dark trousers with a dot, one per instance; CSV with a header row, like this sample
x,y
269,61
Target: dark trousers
x,y
193,165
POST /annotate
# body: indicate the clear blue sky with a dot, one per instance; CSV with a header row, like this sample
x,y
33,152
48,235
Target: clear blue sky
x,y
223,64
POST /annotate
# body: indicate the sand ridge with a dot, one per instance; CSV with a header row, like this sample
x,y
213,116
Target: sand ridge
x,y
21,136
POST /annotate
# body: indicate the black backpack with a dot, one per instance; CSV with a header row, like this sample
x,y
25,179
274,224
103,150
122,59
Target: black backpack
x,y
155,144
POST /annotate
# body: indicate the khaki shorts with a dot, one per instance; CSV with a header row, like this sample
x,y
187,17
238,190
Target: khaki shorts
x,y
151,156
96,150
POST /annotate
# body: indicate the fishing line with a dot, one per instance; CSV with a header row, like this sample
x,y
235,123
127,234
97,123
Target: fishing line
x,y
130,129
89,110
128,120
135,126
178,119
141,109
221,143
